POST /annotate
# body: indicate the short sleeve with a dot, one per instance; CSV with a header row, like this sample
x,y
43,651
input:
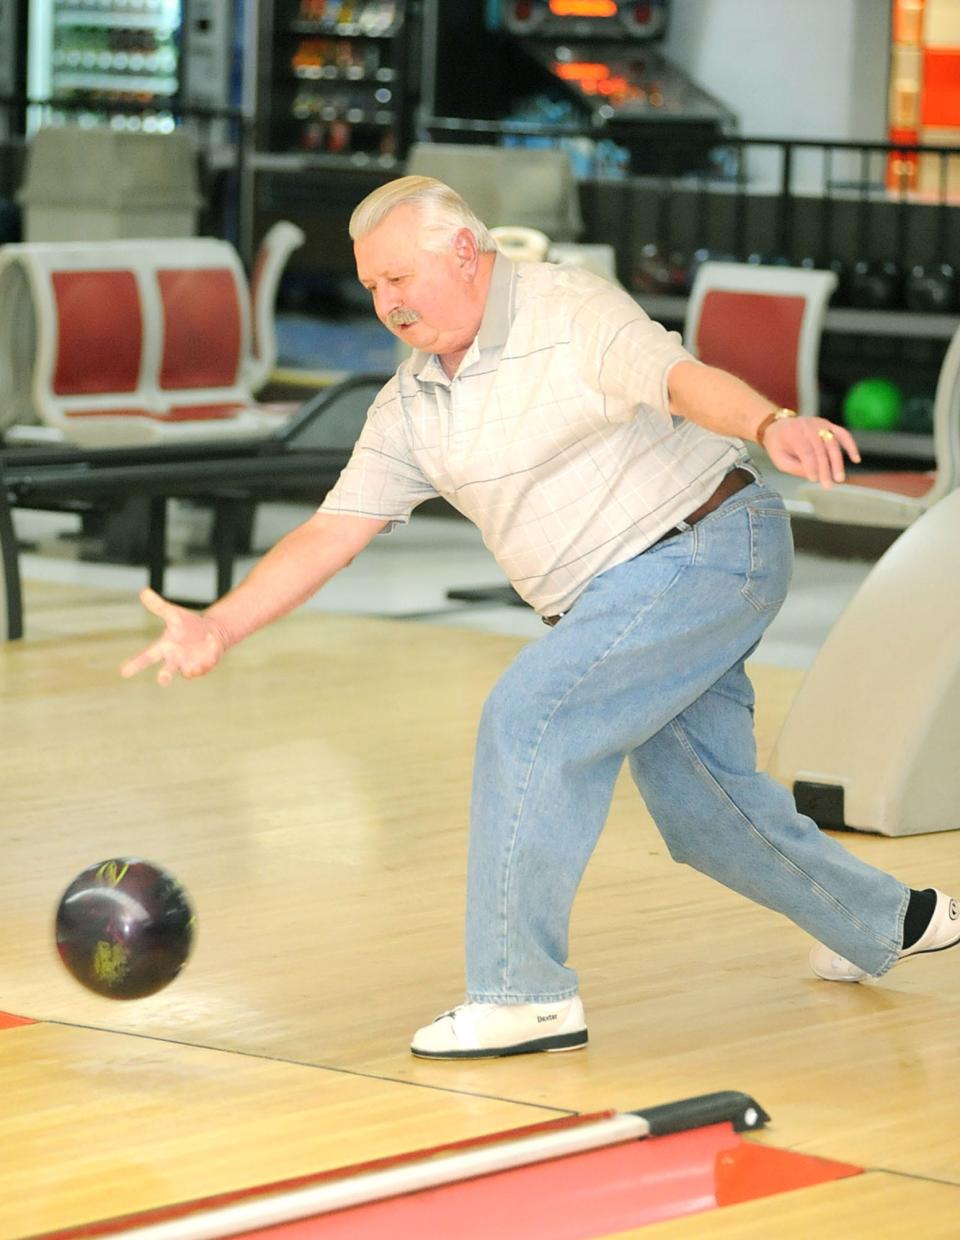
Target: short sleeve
x,y
624,354
380,479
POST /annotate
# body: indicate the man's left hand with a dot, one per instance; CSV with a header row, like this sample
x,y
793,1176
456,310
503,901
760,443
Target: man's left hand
x,y
810,448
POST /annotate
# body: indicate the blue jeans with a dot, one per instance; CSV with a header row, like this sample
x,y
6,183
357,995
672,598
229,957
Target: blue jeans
x,y
648,666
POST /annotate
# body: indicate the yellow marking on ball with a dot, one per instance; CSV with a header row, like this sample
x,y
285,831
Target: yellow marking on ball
x,y
111,873
110,962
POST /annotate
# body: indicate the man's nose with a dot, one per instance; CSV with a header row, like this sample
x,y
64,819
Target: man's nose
x,y
388,298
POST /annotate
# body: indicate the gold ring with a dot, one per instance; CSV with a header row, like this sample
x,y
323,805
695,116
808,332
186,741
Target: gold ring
x,y
826,435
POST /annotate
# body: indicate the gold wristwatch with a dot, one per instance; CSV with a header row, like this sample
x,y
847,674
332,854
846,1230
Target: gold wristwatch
x,y
777,416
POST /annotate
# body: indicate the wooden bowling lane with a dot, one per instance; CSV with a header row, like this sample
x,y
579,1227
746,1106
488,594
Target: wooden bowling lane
x,y
312,796
98,1124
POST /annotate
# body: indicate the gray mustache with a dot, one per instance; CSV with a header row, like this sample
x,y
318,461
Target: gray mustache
x,y
402,318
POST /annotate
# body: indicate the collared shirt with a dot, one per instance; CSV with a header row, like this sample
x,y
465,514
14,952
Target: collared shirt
x,y
555,436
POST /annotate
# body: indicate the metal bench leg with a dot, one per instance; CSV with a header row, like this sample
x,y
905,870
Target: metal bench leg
x,y
157,542
227,512
11,603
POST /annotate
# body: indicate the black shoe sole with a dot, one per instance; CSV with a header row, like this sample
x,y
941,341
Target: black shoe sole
x,y
562,1042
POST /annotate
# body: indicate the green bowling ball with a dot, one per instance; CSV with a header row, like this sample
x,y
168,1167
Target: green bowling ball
x,y
873,405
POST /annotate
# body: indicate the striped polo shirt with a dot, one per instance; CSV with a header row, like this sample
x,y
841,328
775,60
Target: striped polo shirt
x,y
554,438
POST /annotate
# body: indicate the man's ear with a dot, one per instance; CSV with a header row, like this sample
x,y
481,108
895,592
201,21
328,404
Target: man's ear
x,y
465,249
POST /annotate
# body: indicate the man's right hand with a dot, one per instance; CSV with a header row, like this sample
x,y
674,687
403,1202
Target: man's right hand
x,y
191,643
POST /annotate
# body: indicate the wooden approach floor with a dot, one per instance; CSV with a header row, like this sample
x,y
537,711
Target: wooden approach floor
x,y
312,796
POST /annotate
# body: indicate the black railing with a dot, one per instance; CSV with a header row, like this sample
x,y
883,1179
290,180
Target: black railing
x,y
759,198
888,207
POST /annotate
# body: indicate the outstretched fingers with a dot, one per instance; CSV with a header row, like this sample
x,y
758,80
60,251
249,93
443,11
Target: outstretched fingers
x,y
169,613
814,448
169,649
829,447
146,658
846,441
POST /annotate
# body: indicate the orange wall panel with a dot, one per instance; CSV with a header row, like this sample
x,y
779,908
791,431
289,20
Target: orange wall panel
x,y
940,105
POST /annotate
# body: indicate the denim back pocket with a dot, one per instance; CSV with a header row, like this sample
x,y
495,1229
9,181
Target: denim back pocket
x,y
771,554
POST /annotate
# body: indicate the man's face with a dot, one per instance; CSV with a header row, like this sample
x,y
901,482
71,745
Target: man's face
x,y
422,297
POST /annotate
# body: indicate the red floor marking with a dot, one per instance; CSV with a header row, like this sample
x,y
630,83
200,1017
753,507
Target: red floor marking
x,y
9,1021
753,1171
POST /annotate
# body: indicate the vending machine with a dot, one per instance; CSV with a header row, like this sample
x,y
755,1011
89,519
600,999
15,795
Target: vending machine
x,y
93,56
91,53
338,78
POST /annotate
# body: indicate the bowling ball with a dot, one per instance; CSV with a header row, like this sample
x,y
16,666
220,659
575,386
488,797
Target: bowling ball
x,y
678,273
917,416
874,284
652,273
124,928
931,288
873,405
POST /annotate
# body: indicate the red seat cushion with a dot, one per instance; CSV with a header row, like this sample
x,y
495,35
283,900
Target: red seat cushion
x,y
915,486
756,336
201,328
99,332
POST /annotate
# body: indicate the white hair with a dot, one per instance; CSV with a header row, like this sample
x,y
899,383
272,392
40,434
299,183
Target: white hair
x,y
442,212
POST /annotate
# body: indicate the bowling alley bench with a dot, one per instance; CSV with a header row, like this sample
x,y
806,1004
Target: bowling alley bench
x,y
129,373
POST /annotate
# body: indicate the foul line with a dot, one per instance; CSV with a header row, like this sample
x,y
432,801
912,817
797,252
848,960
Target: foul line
x,y
302,1063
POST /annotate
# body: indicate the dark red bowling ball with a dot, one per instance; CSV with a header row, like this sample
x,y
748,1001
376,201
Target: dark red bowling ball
x,y
125,928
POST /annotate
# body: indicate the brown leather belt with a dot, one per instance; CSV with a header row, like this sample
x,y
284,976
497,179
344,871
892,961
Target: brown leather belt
x,y
730,484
